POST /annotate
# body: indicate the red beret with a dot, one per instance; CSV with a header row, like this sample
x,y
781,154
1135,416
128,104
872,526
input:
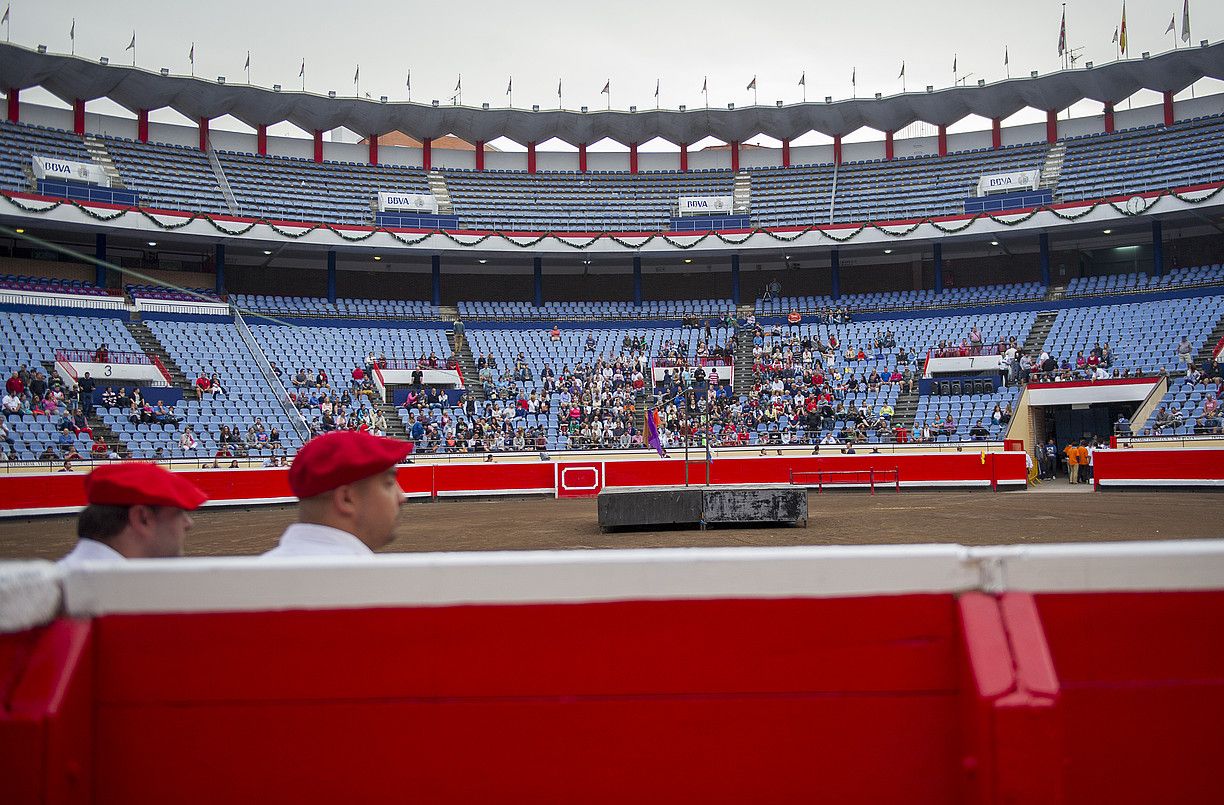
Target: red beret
x,y
342,457
135,483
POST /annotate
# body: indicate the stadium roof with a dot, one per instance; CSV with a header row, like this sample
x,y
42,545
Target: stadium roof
x,y
70,78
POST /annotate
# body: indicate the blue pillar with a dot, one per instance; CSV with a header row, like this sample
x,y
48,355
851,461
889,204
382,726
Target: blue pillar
x,y
1044,241
637,280
331,275
938,268
220,261
835,277
1157,250
436,280
100,253
735,279
537,267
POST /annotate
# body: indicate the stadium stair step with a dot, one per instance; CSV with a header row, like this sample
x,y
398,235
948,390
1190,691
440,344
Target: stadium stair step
x,y
467,364
742,195
395,427
905,410
1051,169
151,346
1204,353
102,158
1037,334
437,187
223,182
743,363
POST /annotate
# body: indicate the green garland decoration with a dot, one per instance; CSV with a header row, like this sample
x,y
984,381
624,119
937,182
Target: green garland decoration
x,y
1009,220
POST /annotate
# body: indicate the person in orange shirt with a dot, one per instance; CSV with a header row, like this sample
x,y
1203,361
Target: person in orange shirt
x,y
1081,457
1072,452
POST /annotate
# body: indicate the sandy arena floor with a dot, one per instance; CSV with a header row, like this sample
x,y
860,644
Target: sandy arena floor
x,y
1055,513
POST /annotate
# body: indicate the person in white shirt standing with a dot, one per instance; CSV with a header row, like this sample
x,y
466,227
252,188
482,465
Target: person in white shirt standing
x,y
349,495
136,511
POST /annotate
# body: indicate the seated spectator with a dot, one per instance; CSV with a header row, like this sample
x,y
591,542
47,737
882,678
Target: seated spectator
x,y
109,398
102,354
187,440
555,333
1123,426
203,386
217,386
978,432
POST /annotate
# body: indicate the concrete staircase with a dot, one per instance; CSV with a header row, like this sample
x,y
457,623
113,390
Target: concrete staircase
x,y
1036,338
100,429
1208,347
437,187
743,356
467,366
223,182
1051,169
906,409
102,158
395,427
151,346
742,195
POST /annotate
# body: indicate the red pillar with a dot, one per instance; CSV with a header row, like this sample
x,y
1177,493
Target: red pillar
x,y
888,145
837,150
531,158
786,153
582,159
1051,126
735,157
318,145
1109,119
261,140
1168,108
480,155
943,141
373,149
684,157
427,153
14,103
633,162
142,125
78,116
203,134
996,133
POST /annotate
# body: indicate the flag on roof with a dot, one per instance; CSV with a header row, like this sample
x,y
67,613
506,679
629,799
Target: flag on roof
x,y
705,84
657,81
247,66
7,9
752,83
1062,31
803,79
1122,36
357,74
510,85
72,31
1172,24
191,54
1185,36
131,45
902,73
607,90
302,72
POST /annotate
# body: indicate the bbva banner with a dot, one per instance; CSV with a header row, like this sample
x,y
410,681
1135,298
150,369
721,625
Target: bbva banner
x,y
411,202
1008,182
49,168
706,205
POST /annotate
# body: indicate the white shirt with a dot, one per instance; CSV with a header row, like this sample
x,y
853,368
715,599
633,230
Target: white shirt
x,y
308,539
91,551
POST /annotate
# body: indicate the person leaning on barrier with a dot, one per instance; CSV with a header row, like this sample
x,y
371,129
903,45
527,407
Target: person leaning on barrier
x,y
135,511
349,495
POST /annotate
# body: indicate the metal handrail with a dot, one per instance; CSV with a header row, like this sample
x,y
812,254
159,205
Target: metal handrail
x,y
274,382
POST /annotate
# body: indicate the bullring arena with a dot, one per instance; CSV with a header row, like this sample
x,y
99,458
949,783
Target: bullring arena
x,y
855,450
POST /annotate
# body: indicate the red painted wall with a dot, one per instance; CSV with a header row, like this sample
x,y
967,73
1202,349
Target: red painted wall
x,y
23,492
1048,698
1128,467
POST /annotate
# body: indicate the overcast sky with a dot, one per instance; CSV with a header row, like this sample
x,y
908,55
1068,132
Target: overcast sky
x,y
629,42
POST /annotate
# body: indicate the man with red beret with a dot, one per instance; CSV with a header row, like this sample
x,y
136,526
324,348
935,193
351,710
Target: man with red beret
x,y
135,511
349,494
